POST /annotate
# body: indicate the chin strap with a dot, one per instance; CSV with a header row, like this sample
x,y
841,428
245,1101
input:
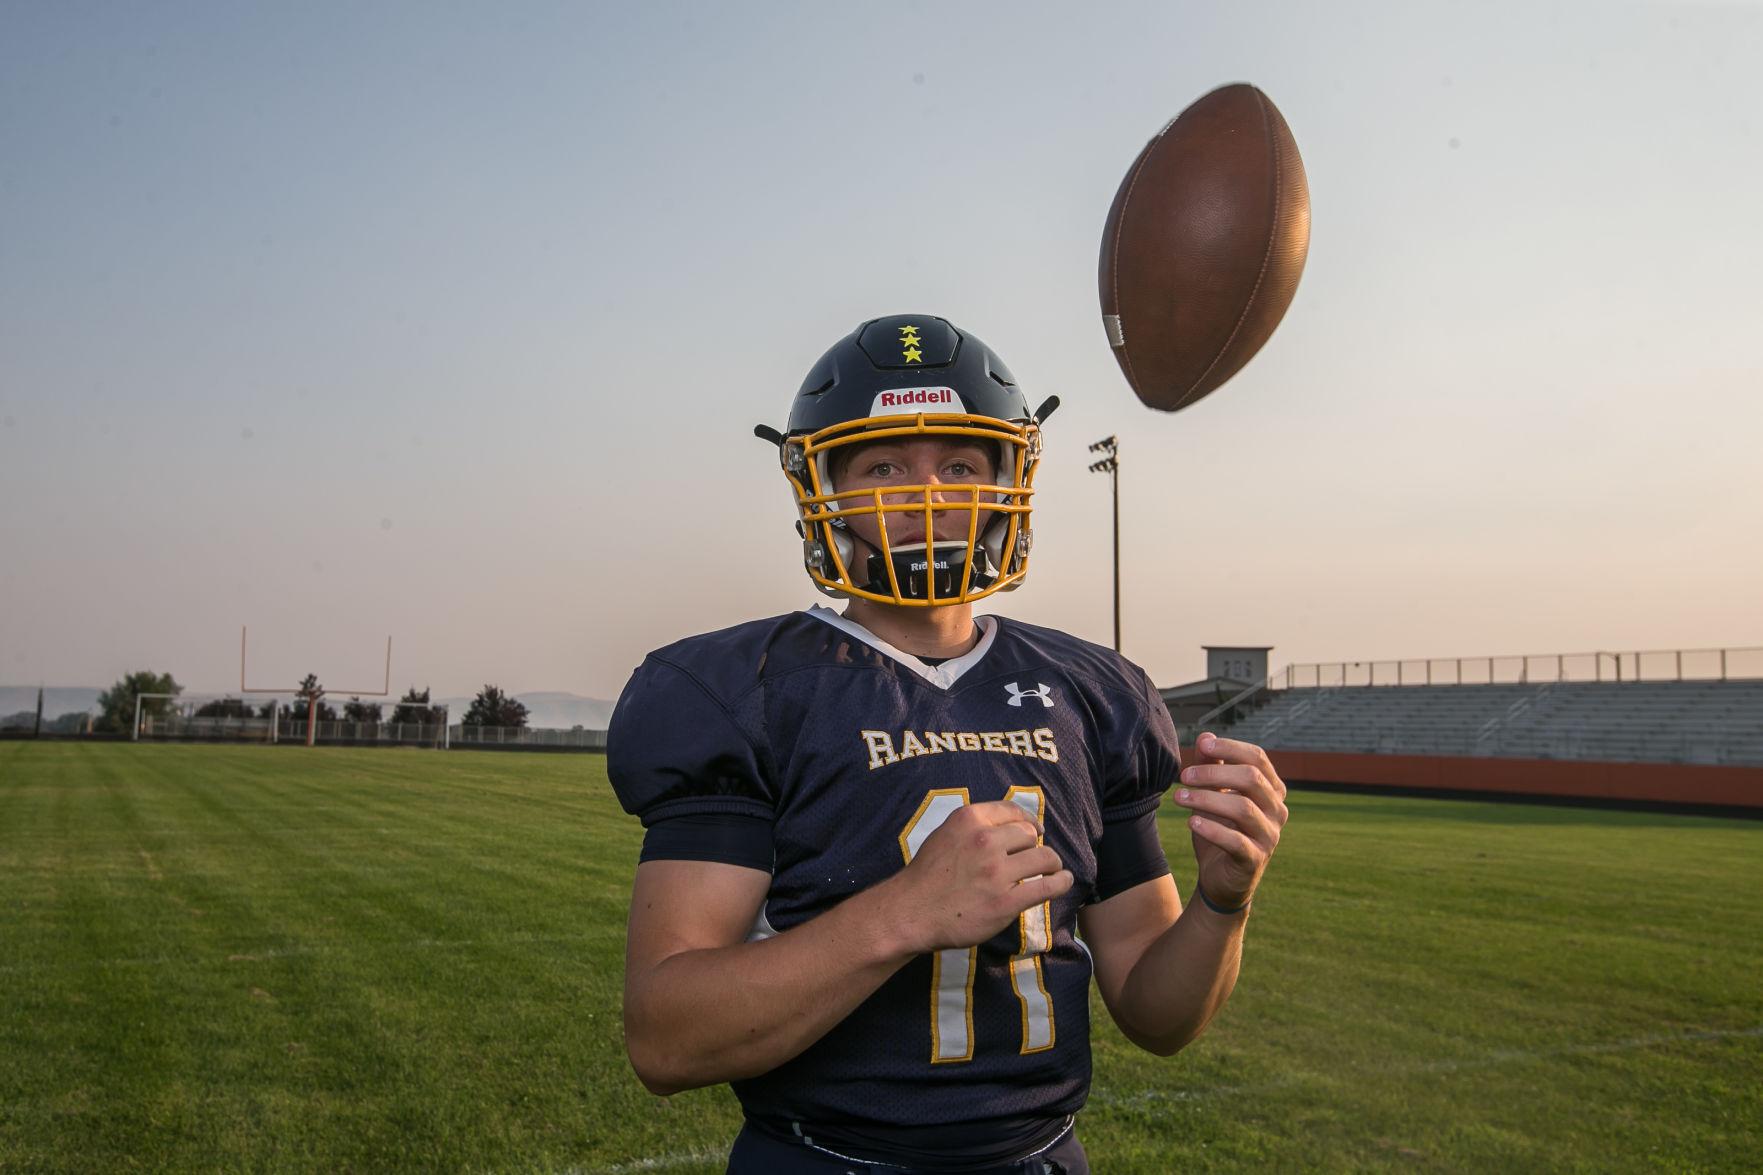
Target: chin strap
x,y
916,574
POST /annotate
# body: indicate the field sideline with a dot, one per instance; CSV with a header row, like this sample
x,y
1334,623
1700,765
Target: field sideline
x,y
252,958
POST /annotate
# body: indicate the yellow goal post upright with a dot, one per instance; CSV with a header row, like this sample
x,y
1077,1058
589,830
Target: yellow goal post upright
x,y
313,699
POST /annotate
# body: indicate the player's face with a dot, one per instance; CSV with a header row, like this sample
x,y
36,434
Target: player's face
x,y
914,461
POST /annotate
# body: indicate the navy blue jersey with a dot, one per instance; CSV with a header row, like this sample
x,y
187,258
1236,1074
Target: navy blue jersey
x,y
854,753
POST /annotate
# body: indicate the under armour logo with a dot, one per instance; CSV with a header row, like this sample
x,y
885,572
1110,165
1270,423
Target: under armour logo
x,y
1017,693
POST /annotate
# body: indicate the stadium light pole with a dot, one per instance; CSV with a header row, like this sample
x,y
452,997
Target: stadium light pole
x,y
1110,464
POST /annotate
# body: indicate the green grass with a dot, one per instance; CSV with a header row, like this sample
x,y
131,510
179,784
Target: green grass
x,y
256,958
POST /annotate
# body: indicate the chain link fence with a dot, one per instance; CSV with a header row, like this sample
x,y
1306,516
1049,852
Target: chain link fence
x,y
179,728
517,737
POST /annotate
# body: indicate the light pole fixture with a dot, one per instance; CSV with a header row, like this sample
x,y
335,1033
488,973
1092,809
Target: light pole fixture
x,y
1110,464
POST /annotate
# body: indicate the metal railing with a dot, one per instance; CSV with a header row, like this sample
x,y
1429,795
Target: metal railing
x,y
1490,729
1729,664
178,726
1235,700
430,734
415,734
525,736
456,735
282,729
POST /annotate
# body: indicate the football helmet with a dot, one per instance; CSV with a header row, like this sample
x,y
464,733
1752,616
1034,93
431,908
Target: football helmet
x,y
907,376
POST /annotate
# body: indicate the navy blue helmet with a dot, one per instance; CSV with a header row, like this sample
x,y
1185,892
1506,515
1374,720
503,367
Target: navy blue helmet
x,y
909,376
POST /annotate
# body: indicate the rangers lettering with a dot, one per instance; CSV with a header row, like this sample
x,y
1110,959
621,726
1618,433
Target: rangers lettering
x,y
882,748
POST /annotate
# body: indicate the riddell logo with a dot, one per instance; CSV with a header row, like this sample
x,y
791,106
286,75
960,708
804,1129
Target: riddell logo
x,y
915,399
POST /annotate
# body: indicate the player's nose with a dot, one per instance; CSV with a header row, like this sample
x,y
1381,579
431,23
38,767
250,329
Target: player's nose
x,y
922,468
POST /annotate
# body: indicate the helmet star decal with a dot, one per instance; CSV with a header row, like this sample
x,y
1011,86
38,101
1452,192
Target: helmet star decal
x,y
909,344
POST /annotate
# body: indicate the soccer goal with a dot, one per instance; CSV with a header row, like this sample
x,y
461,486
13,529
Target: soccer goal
x,y
180,718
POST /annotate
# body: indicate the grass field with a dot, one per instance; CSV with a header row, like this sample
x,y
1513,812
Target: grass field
x,y
252,958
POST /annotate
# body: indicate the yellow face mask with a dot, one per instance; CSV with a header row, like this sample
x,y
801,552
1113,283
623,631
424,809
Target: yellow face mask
x,y
917,546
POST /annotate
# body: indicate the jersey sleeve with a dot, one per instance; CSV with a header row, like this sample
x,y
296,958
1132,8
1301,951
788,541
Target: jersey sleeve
x,y
675,749
1149,761
1145,763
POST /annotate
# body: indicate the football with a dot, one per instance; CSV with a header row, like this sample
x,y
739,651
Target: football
x,y
1204,246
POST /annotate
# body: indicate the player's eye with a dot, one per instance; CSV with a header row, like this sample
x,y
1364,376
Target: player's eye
x,y
964,468
883,469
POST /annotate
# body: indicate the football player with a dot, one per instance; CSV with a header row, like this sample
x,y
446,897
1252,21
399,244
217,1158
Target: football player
x,y
874,837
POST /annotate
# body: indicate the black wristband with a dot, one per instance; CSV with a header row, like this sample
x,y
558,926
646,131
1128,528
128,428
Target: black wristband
x,y
1215,907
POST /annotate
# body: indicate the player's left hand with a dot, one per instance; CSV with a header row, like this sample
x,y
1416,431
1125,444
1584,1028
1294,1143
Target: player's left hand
x,y
1238,806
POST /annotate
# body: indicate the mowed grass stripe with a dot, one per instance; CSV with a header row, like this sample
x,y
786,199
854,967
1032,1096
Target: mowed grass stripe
x,y
1461,985
253,958
332,928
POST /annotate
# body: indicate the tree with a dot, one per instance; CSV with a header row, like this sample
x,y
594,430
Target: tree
x,y
356,710
309,689
224,708
492,707
413,707
116,705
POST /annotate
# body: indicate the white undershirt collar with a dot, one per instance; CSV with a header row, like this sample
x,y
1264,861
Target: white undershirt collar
x,y
942,676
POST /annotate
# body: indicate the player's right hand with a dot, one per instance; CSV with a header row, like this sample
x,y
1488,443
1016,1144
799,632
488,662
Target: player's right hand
x,y
974,875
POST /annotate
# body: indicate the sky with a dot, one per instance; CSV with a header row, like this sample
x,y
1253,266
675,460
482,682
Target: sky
x,y
451,323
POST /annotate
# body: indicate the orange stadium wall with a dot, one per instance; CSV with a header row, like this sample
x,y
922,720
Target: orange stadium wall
x,y
1663,783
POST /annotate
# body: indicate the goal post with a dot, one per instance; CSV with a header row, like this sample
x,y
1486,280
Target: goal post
x,y
313,698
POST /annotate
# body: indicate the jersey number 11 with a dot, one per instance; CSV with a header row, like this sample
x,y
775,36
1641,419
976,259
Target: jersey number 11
x,y
952,971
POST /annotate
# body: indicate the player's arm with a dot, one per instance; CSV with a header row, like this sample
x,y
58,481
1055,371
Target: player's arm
x,y
1165,971
702,1005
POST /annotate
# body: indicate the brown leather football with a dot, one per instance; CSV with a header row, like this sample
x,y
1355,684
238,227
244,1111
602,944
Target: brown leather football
x,y
1204,246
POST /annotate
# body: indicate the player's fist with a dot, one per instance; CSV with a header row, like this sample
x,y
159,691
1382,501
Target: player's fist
x,y
972,876
1239,811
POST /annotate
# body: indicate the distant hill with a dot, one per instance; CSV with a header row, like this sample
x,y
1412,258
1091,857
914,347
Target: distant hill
x,y
544,708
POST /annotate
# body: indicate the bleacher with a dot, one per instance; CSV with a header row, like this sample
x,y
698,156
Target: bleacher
x,y
1708,722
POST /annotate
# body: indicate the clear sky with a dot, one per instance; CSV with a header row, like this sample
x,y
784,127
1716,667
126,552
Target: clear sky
x,y
451,322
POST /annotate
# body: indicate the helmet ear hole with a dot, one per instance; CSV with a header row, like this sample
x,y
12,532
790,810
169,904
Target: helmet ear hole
x,y
991,540
842,543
